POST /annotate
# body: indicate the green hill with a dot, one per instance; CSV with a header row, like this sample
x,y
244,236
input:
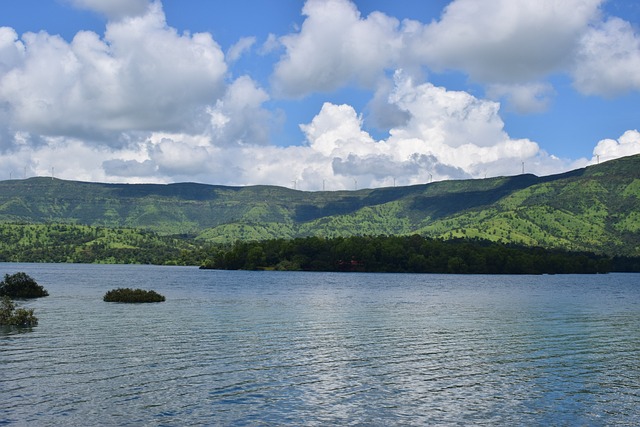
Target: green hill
x,y
86,244
592,209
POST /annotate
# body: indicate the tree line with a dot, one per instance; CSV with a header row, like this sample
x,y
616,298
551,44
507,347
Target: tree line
x,y
405,254
412,254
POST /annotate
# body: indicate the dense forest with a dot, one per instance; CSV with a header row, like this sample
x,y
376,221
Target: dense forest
x,y
408,254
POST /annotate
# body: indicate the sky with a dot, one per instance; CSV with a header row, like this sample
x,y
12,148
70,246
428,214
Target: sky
x,y
316,94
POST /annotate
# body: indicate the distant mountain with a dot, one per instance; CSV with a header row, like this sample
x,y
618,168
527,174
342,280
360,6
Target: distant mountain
x,y
594,209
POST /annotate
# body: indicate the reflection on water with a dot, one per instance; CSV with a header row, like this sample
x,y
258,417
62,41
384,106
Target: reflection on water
x,y
269,348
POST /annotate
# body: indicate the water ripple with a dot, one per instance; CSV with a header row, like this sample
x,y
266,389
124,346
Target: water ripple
x,y
250,348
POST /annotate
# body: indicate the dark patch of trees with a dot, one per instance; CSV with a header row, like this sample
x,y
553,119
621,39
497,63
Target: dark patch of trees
x,y
21,285
18,286
404,254
626,264
132,296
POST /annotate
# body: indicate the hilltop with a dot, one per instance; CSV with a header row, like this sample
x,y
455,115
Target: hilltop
x,y
590,209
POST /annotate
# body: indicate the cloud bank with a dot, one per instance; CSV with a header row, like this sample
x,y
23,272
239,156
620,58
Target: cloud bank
x,y
144,103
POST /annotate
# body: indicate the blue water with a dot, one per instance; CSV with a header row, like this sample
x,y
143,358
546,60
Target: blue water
x,y
284,348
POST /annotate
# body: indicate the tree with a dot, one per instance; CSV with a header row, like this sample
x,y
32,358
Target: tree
x,y
21,285
255,258
10,316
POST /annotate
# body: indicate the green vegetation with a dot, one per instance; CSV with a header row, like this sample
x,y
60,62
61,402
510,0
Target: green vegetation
x,y
21,285
85,244
404,254
595,209
12,316
129,295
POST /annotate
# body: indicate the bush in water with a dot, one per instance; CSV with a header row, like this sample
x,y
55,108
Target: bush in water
x,y
132,295
21,285
10,316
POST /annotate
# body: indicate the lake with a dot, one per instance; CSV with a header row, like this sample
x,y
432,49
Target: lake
x,y
293,348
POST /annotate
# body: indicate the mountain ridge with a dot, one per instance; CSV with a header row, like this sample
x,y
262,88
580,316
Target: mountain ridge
x,y
596,208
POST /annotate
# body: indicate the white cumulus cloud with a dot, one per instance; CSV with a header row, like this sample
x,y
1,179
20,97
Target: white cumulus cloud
x,y
628,144
506,41
448,135
511,46
335,46
238,117
608,60
502,41
141,76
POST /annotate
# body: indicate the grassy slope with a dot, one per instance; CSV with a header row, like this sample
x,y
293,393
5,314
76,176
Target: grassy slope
x,y
597,208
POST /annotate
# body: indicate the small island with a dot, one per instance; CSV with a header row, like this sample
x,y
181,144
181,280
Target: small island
x,y
18,286
21,285
129,295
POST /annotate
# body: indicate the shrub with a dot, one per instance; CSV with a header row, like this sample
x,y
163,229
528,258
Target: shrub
x,y
10,316
132,296
21,285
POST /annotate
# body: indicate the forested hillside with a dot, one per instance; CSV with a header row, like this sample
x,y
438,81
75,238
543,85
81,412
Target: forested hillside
x,y
591,209
85,244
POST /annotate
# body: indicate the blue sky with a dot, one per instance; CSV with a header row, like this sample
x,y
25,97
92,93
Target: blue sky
x,y
321,92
